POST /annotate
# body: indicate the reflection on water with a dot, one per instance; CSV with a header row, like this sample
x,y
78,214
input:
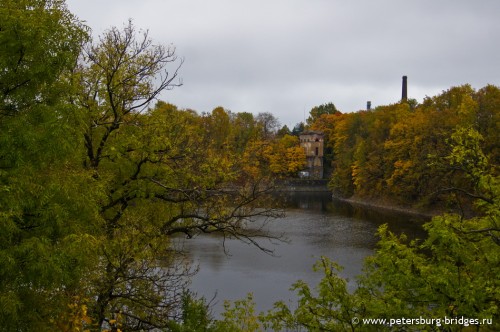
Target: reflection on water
x,y
314,226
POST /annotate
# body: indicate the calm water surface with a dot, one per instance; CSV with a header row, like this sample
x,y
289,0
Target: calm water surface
x,y
314,226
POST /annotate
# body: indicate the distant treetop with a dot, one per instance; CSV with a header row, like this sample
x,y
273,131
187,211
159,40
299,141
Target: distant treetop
x,y
317,111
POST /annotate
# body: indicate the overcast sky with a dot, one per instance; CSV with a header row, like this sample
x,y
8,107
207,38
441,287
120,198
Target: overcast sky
x,y
286,56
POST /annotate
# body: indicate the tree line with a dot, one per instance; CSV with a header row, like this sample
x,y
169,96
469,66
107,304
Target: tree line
x,y
399,152
98,177
443,153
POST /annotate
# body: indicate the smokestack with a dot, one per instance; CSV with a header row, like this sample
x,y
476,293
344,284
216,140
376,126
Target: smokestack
x,y
404,94
368,105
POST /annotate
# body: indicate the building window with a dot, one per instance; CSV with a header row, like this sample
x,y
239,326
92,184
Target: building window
x,y
317,150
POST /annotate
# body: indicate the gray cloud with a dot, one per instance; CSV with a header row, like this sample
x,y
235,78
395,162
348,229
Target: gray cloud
x,y
286,56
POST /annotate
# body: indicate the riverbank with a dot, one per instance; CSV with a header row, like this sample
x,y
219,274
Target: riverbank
x,y
390,206
321,186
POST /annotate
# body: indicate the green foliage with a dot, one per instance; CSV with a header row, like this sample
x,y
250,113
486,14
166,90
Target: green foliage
x,y
195,316
95,183
452,273
317,111
243,131
47,208
239,316
284,131
40,40
298,129
329,307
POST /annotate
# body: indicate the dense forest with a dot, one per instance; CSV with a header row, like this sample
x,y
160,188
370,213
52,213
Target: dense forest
x,y
402,152
97,176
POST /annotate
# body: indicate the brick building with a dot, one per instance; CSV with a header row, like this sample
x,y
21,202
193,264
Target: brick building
x,y
313,144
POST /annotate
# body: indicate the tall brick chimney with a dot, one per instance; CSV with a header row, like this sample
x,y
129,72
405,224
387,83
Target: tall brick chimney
x,y
404,94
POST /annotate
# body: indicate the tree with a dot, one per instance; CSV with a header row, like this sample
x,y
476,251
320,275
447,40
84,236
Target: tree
x,y
39,43
244,129
317,111
268,123
117,81
218,126
392,152
298,128
488,120
159,173
46,209
284,131
239,316
286,157
457,258
95,182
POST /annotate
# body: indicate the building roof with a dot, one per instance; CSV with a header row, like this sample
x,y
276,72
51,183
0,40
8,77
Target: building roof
x,y
311,132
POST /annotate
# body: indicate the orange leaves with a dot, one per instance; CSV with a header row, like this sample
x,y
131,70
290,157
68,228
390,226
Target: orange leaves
x,y
283,157
393,151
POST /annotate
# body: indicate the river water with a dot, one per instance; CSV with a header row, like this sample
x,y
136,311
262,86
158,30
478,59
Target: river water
x,y
314,226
